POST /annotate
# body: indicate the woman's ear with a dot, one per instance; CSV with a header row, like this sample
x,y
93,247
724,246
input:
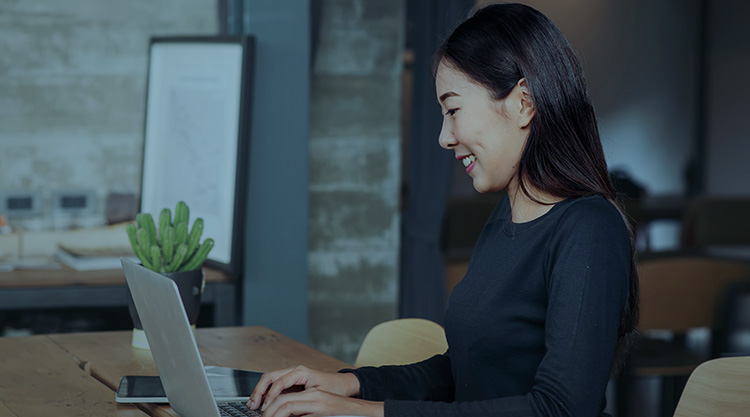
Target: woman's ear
x,y
526,105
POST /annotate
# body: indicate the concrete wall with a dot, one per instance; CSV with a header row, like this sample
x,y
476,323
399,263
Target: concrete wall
x,y
355,172
72,88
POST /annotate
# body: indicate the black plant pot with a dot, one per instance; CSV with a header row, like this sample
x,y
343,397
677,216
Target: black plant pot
x,y
190,284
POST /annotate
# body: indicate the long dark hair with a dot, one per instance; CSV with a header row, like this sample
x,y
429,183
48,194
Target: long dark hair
x,y
503,43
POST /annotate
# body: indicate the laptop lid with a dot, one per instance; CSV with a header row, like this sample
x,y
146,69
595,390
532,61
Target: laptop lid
x,y
171,339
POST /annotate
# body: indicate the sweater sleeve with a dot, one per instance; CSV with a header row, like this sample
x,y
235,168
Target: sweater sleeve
x,y
588,266
429,380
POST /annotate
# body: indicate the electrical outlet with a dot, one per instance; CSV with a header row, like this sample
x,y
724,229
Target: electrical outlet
x,y
76,202
21,203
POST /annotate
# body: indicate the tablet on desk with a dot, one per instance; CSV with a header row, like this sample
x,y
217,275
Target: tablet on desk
x,y
227,384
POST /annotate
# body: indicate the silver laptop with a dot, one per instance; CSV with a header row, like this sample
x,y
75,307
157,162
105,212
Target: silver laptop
x,y
173,346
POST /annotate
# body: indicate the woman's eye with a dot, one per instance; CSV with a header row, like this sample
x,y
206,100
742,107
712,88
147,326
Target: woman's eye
x,y
451,112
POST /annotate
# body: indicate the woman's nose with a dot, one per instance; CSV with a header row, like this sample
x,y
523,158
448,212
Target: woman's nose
x,y
446,139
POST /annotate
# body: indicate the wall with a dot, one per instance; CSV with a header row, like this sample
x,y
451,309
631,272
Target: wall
x,y
355,172
72,90
275,278
728,104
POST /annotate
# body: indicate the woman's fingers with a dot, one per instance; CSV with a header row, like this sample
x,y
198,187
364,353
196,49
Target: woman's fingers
x,y
274,384
311,403
296,376
266,380
315,402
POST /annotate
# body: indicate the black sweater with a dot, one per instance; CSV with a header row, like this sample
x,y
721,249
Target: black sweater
x,y
532,327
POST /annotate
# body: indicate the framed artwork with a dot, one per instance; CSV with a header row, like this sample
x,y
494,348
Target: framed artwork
x,y
196,136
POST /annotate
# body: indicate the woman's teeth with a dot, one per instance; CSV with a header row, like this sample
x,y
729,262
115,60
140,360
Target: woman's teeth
x,y
468,160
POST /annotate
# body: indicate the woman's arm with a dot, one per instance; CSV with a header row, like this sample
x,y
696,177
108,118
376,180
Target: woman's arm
x,y
588,266
325,393
429,380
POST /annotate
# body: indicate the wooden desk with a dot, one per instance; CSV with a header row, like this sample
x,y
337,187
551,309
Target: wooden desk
x,y
75,374
38,378
108,355
27,289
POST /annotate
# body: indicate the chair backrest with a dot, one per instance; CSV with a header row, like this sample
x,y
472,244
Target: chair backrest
x,y
716,221
717,388
732,330
680,293
400,342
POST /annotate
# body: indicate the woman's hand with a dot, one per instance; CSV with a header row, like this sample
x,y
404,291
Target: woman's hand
x,y
315,402
272,384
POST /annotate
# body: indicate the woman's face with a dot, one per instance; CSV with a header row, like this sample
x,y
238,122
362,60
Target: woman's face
x,y
487,135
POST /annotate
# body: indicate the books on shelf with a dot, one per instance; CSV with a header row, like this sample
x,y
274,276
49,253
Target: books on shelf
x,y
89,259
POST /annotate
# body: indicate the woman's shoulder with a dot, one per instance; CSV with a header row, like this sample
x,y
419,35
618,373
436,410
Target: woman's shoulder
x,y
591,204
591,222
593,210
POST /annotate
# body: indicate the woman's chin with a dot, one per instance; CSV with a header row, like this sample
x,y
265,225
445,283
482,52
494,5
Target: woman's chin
x,y
483,188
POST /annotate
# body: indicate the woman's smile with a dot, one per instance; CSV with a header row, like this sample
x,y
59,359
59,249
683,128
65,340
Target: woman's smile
x,y
468,161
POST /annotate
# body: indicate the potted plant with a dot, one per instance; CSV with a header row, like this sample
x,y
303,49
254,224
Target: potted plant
x,y
175,251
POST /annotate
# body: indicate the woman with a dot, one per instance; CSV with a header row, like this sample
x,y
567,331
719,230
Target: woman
x,y
549,302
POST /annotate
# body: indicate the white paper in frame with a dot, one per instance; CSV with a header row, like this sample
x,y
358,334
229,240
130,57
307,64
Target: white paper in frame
x,y
196,136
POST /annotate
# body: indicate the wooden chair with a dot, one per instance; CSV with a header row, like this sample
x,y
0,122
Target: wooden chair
x,y
732,329
400,342
678,294
717,388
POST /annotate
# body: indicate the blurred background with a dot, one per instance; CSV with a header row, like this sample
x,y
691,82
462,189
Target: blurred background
x,y
354,214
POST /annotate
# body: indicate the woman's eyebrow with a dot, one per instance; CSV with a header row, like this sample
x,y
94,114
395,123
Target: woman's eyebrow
x,y
446,95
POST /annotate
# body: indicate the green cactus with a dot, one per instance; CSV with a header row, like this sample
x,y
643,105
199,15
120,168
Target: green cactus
x,y
179,257
181,232
200,255
181,213
132,236
195,235
165,219
168,247
171,248
146,222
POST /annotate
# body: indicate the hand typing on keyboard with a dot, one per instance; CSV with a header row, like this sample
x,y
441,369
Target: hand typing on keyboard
x,y
316,393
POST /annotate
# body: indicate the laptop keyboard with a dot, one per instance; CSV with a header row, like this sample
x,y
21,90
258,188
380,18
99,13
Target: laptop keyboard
x,y
236,409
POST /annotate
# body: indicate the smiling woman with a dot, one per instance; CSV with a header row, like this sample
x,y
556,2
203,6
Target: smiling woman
x,y
549,303
487,135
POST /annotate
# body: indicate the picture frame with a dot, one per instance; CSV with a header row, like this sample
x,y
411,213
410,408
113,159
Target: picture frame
x,y
197,134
